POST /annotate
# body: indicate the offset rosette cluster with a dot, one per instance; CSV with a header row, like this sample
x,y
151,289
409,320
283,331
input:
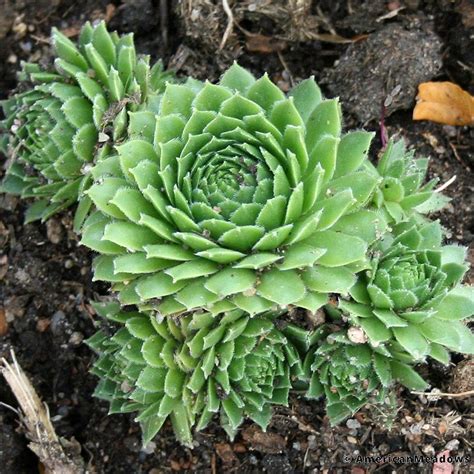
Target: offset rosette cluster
x,y
234,366
411,299
351,375
234,196
70,118
402,191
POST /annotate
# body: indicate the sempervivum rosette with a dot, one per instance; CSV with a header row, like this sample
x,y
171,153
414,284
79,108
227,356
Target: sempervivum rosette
x,y
190,370
350,375
403,191
411,299
233,196
69,118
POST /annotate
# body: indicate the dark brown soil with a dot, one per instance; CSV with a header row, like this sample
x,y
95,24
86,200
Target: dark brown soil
x,y
46,281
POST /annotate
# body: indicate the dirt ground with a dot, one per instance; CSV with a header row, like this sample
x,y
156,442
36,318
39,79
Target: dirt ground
x,y
45,278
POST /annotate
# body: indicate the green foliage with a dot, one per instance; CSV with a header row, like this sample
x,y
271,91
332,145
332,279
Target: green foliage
x,y
216,209
70,118
234,196
403,192
192,368
351,376
411,299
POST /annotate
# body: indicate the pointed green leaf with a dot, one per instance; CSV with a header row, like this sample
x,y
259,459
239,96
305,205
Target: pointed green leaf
x,y
407,376
230,281
329,280
282,287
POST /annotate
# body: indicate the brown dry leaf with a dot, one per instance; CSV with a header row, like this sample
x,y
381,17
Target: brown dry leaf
x,y
337,39
71,31
258,440
444,102
74,30
224,451
264,44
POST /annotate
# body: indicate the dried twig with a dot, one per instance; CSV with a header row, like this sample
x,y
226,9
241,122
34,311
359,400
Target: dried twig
x,y
34,416
456,155
445,185
469,393
287,69
230,23
389,15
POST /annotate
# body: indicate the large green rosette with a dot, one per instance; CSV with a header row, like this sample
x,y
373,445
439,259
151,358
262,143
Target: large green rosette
x,y
234,196
191,369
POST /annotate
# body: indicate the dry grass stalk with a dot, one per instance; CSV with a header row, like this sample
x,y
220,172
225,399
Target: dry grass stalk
x,y
58,455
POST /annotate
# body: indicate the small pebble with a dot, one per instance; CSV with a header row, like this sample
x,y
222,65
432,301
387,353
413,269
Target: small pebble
x,y
415,429
149,448
450,131
76,338
42,324
352,424
57,322
428,449
351,440
63,411
452,445
312,442
26,46
54,231
20,29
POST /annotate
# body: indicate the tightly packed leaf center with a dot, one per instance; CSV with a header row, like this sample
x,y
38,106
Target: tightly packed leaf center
x,y
409,280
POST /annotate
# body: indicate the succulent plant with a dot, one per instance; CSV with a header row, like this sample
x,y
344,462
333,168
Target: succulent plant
x,y
217,209
402,191
66,120
192,368
411,299
351,375
234,196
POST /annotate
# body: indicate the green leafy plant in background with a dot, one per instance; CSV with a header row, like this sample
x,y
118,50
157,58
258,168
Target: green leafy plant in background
x,y
189,369
234,196
63,121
